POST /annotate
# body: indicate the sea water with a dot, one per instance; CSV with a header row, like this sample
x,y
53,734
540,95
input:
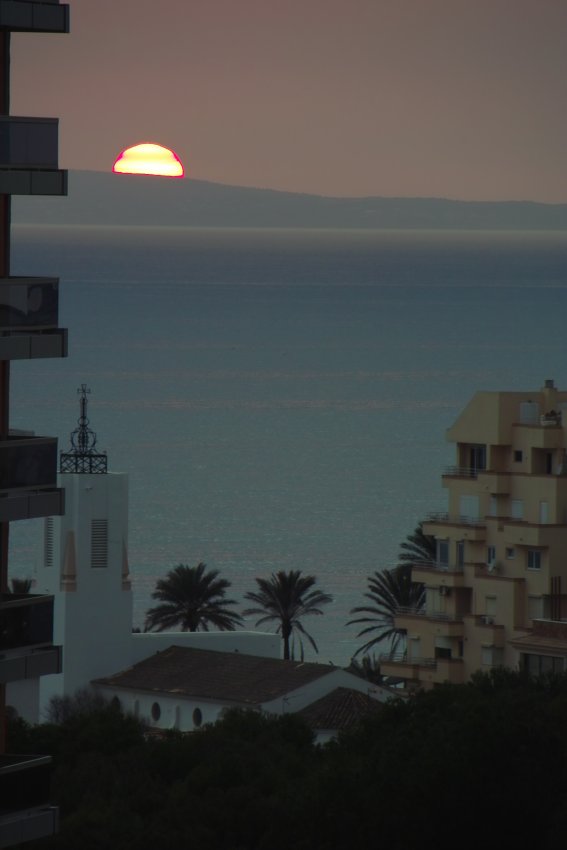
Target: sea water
x,y
279,398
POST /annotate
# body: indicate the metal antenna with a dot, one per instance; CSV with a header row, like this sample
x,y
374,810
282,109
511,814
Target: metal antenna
x,y
82,457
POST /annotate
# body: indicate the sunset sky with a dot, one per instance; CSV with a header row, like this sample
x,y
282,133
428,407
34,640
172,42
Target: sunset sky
x,y
448,98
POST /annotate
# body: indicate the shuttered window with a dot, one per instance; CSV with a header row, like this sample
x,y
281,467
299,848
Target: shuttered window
x,y
99,543
48,542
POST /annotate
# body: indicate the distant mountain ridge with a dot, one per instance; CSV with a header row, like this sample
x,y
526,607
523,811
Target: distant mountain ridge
x,y
109,199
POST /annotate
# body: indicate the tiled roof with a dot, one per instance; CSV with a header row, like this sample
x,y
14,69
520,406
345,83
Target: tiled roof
x,y
339,709
206,674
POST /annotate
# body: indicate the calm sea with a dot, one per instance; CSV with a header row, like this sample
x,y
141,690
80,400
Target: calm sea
x,y
280,398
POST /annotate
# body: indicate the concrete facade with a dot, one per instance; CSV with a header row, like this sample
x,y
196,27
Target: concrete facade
x,y
500,564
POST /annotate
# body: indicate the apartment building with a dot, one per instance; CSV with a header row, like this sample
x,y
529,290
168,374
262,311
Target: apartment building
x,y
28,463
497,592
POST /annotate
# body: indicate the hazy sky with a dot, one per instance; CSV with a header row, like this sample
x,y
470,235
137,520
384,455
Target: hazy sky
x,y
454,98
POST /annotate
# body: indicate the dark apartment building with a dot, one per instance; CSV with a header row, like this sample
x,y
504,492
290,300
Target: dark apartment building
x,y
28,463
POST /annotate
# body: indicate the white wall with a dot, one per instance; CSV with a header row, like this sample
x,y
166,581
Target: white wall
x,y
93,605
174,712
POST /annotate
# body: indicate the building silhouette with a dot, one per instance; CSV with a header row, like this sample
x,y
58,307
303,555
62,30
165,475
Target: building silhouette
x,y
28,463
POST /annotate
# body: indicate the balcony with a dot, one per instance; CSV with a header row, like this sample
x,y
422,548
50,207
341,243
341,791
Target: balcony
x,y
547,435
29,142
27,463
20,664
26,621
424,670
522,533
473,528
436,623
29,157
399,665
29,316
438,575
460,472
27,16
25,813
28,478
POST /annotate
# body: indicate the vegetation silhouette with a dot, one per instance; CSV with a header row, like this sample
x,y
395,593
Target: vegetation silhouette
x,y
391,591
193,598
286,598
404,778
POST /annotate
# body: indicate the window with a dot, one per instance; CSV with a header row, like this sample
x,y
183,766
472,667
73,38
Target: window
x,y
443,553
477,458
490,554
490,656
99,543
534,559
48,542
510,552
518,456
535,607
469,507
517,508
461,553
535,665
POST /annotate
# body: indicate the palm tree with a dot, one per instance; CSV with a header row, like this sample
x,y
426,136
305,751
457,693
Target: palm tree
x,y
392,590
388,592
21,585
418,548
193,599
285,598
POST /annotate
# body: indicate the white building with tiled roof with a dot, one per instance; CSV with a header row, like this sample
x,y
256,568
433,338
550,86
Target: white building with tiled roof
x,y
182,688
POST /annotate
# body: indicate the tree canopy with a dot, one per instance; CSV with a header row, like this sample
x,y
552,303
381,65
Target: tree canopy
x,y
193,598
286,599
476,765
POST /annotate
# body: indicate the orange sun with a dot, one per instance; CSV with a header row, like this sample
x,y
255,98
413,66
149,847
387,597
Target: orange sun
x,y
149,159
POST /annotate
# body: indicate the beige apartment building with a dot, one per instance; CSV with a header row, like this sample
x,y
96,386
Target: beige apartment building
x,y
497,592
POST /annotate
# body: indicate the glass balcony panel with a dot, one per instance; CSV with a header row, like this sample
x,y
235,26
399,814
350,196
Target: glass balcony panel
x,y
28,463
28,16
24,782
28,142
29,303
25,620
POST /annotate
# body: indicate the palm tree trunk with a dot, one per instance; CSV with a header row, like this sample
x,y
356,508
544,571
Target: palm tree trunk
x,y
286,633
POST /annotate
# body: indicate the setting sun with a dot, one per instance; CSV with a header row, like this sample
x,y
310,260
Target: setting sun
x,y
149,159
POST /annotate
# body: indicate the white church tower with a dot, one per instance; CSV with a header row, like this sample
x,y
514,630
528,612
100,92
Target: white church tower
x,y
85,567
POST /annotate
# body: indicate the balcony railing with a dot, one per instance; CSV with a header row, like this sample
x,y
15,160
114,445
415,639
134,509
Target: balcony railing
x,y
31,504
27,463
408,610
28,142
24,782
26,620
438,568
27,16
30,663
401,658
25,812
440,516
27,303
461,471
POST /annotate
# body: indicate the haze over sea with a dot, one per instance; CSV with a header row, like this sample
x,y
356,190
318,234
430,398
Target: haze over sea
x,y
279,398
